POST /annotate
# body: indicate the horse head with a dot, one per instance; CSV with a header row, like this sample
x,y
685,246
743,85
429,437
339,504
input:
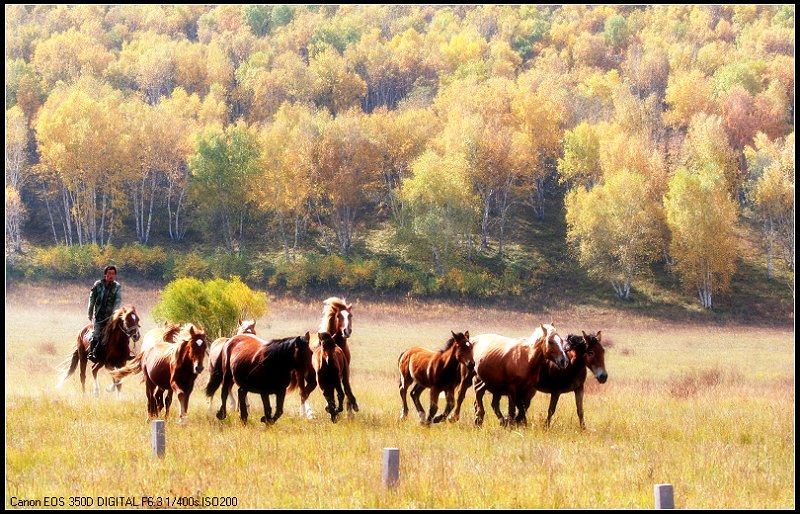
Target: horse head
x,y
464,349
337,317
302,354
247,327
195,346
553,346
130,324
594,358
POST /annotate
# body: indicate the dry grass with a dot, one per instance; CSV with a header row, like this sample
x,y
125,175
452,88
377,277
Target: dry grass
x,y
708,409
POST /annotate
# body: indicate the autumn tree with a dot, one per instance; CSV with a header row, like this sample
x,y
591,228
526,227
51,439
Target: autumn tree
x,y
771,193
222,170
701,218
441,203
616,229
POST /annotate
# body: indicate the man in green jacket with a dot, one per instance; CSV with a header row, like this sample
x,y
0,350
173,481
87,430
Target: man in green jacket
x,y
104,298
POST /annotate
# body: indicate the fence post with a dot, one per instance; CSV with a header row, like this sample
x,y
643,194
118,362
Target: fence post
x,y
159,438
664,496
391,467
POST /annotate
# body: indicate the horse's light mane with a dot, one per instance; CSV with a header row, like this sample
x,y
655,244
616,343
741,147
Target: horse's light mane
x,y
539,335
333,305
116,318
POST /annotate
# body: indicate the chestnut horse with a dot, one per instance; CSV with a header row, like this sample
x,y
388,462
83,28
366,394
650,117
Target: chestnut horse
x,y
171,367
262,367
122,327
333,375
337,320
438,370
506,366
215,356
583,352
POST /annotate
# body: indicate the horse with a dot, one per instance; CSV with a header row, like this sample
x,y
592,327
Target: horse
x,y
166,333
337,320
215,355
511,367
333,374
440,371
262,367
122,327
583,352
171,367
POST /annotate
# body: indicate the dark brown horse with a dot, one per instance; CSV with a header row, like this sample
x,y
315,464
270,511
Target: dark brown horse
x,y
506,366
215,356
171,367
440,371
121,328
583,352
262,367
337,320
333,375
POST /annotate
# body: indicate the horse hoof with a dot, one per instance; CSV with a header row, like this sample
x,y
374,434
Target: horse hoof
x,y
221,415
438,419
263,419
452,419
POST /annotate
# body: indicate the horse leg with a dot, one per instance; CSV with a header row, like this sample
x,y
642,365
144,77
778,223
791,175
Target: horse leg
x,y
306,388
551,409
227,384
404,383
496,407
415,392
466,382
83,362
267,408
434,406
523,402
450,402
279,397
166,402
480,390
340,393
243,404
330,407
579,406
352,405
95,369
150,392
183,398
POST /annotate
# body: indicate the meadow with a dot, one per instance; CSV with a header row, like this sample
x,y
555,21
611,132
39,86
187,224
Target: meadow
x,y
707,408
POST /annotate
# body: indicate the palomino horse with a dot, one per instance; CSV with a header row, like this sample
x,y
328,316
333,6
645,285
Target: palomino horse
x,y
262,367
166,333
215,356
438,370
583,352
333,374
337,320
506,366
171,367
122,327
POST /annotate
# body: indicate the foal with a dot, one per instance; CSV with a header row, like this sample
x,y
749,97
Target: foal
x,y
333,374
440,371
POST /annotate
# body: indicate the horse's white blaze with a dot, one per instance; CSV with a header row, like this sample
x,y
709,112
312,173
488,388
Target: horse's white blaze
x,y
199,342
346,322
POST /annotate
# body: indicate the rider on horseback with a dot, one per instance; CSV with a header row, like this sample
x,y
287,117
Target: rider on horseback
x,y
104,298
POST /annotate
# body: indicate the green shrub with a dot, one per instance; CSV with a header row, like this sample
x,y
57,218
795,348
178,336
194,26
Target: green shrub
x,y
216,305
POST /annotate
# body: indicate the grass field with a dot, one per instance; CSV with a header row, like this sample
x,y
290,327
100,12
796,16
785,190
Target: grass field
x,y
709,409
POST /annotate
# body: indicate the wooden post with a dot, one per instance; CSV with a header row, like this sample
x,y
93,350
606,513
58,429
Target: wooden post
x,y
664,496
391,467
159,438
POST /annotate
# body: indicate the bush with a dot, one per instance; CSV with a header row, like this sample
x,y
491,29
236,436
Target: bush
x,y
216,305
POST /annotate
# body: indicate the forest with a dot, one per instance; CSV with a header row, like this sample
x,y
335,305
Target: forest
x,y
467,150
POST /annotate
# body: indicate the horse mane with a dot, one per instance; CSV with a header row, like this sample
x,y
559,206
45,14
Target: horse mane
x,y
171,331
450,342
333,305
116,318
176,350
539,336
576,342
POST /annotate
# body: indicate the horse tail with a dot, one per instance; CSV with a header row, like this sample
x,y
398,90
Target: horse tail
x,y
216,378
73,364
133,367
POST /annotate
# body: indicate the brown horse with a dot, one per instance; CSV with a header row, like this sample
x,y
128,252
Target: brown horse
x,y
438,370
583,352
122,327
337,320
262,367
171,367
506,366
215,356
333,375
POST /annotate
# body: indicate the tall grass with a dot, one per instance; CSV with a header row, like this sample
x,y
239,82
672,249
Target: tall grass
x,y
707,409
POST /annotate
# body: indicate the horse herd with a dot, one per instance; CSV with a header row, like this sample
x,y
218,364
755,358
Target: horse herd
x,y
171,358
